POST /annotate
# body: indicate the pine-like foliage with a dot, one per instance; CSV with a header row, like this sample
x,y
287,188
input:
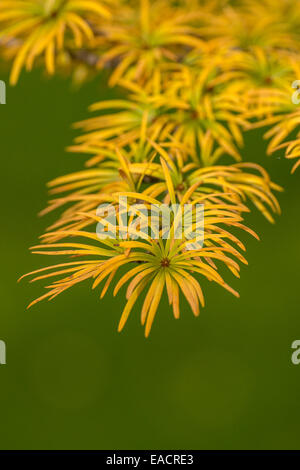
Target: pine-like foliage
x,y
195,76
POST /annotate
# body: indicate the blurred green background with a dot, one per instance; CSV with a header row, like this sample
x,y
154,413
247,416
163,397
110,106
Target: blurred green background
x,y
222,381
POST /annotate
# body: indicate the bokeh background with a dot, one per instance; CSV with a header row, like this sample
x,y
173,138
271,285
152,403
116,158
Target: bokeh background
x,y
222,381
